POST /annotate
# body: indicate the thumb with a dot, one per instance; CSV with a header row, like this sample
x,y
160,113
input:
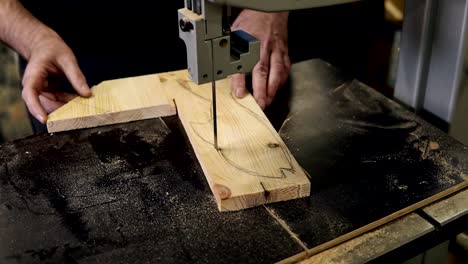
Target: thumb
x,y
73,73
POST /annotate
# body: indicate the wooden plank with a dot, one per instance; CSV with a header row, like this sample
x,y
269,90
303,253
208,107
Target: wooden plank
x,y
114,101
253,165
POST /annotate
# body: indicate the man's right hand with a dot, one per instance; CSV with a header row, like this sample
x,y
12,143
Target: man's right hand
x,y
49,60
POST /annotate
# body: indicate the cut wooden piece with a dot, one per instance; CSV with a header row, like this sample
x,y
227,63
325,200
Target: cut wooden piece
x,y
253,165
112,102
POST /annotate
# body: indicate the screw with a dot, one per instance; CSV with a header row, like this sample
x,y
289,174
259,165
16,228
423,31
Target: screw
x,y
185,25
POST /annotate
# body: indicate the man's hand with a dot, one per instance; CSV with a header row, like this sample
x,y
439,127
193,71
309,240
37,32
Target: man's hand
x,y
272,70
49,60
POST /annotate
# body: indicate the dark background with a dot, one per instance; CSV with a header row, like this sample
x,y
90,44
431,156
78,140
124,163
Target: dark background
x,y
120,39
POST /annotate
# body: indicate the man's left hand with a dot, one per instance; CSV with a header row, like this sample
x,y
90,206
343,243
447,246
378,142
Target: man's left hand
x,y
272,70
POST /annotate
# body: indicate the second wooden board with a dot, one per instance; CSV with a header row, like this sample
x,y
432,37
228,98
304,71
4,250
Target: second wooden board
x,y
253,166
114,101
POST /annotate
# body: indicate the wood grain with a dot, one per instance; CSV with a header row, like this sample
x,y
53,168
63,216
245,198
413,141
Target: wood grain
x,y
114,101
253,166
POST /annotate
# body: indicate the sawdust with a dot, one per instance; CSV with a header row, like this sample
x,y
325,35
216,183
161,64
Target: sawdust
x,y
426,147
446,169
464,176
435,152
394,184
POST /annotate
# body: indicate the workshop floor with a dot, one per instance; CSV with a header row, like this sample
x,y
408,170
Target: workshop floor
x,y
14,122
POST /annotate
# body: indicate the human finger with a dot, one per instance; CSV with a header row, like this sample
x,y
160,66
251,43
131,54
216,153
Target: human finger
x,y
70,68
276,75
260,76
238,85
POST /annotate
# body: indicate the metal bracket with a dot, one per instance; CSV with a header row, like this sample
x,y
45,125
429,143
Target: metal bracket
x,y
233,52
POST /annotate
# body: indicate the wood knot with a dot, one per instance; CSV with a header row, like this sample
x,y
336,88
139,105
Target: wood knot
x,y
273,145
162,79
222,191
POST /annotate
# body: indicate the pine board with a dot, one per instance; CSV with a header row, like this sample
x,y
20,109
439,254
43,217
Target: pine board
x,y
253,166
114,101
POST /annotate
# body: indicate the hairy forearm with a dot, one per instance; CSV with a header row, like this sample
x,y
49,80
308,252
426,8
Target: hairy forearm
x,y
19,28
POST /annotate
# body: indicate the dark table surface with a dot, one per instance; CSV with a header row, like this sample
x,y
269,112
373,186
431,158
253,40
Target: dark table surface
x,y
135,192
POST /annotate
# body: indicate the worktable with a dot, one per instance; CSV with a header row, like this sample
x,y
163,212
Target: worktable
x,y
135,193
